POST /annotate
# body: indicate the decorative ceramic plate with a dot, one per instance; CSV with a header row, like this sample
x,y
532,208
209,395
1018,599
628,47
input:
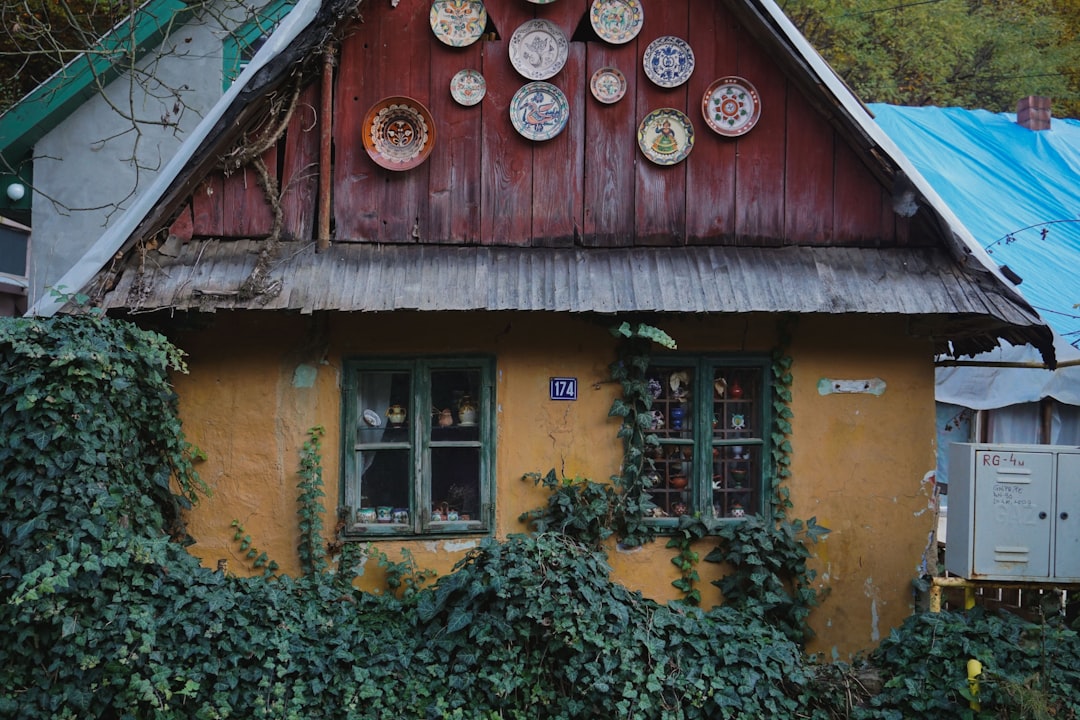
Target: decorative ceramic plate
x,y
541,2
731,106
468,87
666,136
668,61
538,49
608,85
539,111
372,418
616,21
398,133
458,22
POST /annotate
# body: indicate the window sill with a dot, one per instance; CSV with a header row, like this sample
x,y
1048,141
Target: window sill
x,y
438,528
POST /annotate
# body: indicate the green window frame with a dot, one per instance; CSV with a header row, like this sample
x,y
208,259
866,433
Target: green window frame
x,y
242,44
712,416
419,446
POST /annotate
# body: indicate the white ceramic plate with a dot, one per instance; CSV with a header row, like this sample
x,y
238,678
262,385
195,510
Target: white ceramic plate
x,y
668,61
608,85
731,106
539,111
666,136
616,21
458,22
538,49
467,87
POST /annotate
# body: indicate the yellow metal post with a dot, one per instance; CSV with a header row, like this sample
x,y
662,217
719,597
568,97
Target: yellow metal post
x,y
974,670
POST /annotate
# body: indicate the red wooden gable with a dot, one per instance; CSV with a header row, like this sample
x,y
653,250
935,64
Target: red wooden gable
x,y
791,180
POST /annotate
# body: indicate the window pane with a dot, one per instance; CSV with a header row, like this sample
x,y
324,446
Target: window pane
x,y
672,389
383,400
671,482
737,407
455,483
385,482
455,396
736,480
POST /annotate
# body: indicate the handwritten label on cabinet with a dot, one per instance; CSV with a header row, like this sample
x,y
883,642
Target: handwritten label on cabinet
x,y
993,459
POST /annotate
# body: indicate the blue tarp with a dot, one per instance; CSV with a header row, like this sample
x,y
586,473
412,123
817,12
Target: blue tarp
x,y
1008,185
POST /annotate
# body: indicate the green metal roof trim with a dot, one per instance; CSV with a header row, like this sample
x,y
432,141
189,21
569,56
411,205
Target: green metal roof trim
x,y
46,106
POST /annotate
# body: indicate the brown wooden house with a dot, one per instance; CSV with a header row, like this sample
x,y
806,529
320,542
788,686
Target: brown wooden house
x,y
313,285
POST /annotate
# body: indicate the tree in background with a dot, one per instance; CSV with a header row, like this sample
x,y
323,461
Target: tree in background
x,y
38,37
971,53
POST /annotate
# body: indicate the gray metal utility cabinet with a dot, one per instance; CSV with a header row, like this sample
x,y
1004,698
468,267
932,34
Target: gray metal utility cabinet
x,y
1014,513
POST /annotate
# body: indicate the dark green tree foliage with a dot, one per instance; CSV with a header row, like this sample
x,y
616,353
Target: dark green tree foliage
x,y
970,53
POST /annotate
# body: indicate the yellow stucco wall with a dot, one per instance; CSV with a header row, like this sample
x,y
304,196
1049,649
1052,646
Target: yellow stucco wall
x,y
258,381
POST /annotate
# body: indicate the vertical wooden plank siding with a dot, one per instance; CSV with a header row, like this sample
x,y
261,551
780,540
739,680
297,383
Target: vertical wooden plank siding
x,y
207,206
660,192
808,206
559,162
610,150
506,175
710,170
857,214
507,162
300,166
790,180
405,71
354,210
453,212
759,190
249,213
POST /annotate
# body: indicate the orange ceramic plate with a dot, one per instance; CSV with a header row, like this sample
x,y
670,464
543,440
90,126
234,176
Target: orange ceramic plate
x,y
398,133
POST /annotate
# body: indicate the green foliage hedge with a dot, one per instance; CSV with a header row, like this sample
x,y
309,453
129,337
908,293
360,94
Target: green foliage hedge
x,y
103,613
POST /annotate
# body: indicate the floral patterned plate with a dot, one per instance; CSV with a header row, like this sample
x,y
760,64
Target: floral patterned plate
x,y
398,133
666,136
539,111
467,87
616,21
668,61
538,49
731,106
608,85
458,22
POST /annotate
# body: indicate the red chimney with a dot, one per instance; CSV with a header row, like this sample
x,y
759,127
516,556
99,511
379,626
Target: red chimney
x,y
1033,112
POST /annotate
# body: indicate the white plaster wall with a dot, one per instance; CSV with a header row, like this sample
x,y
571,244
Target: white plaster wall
x,y
90,168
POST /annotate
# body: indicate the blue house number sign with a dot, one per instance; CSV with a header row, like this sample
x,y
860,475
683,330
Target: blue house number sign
x,y
563,388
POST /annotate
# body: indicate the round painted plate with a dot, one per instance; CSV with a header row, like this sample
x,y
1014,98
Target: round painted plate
x,y
668,61
666,136
541,2
539,111
468,87
731,106
616,21
538,49
608,85
398,133
458,22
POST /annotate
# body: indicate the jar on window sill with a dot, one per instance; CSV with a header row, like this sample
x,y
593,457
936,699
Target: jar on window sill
x,y
466,411
395,414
